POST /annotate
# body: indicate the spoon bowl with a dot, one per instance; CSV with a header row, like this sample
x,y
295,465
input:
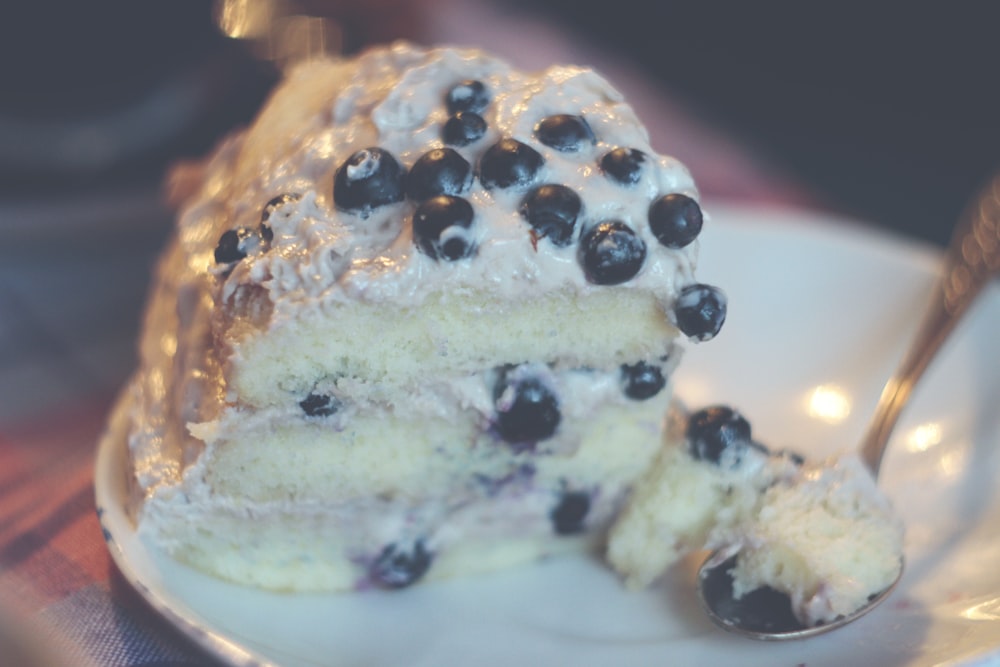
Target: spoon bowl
x,y
970,262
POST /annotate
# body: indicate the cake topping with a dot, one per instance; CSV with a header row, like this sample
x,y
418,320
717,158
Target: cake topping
x,y
700,311
509,163
398,566
675,220
720,435
611,253
568,515
565,133
441,171
463,128
527,409
642,381
552,211
370,178
623,165
469,95
439,228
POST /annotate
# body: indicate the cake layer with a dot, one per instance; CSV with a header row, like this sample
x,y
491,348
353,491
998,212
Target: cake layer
x,y
340,501
447,335
378,454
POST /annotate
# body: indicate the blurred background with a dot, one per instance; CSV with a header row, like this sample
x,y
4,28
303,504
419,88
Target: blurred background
x,y
888,113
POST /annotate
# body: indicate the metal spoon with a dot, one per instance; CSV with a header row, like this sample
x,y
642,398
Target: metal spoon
x,y
971,260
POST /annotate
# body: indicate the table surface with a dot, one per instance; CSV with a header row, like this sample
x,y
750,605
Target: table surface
x,y
70,300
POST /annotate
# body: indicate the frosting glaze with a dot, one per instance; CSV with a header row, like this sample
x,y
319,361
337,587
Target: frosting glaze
x,y
393,98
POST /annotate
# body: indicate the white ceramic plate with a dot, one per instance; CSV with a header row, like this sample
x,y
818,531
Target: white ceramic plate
x,y
814,302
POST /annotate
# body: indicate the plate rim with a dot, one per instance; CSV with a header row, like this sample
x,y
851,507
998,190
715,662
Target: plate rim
x,y
110,474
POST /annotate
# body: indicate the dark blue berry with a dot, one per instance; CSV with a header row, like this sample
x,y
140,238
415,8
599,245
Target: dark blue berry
x,y
611,253
700,311
441,171
367,180
439,228
565,133
276,203
720,435
398,567
319,405
469,95
463,128
235,244
568,515
270,207
228,250
642,380
623,165
509,163
552,211
527,409
675,220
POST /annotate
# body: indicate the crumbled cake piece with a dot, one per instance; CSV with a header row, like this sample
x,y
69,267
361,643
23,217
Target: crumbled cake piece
x,y
820,533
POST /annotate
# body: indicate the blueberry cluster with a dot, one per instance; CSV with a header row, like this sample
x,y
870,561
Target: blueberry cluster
x,y
610,252
527,407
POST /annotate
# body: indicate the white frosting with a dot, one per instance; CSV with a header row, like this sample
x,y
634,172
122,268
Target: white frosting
x,y
394,98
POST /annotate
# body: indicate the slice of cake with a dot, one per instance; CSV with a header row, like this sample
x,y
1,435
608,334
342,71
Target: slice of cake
x,y
418,320
819,533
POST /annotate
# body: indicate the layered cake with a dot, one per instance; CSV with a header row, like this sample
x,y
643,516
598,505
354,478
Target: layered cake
x,y
418,320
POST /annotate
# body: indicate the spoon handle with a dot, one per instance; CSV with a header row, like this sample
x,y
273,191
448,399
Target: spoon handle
x,y
971,260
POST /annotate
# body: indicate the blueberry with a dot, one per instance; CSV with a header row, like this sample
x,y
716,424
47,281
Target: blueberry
x,y
509,163
565,133
228,250
235,244
568,515
623,165
319,405
398,567
469,95
718,434
700,311
368,179
675,220
642,380
276,203
463,128
527,409
611,253
441,171
552,211
439,228
270,207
